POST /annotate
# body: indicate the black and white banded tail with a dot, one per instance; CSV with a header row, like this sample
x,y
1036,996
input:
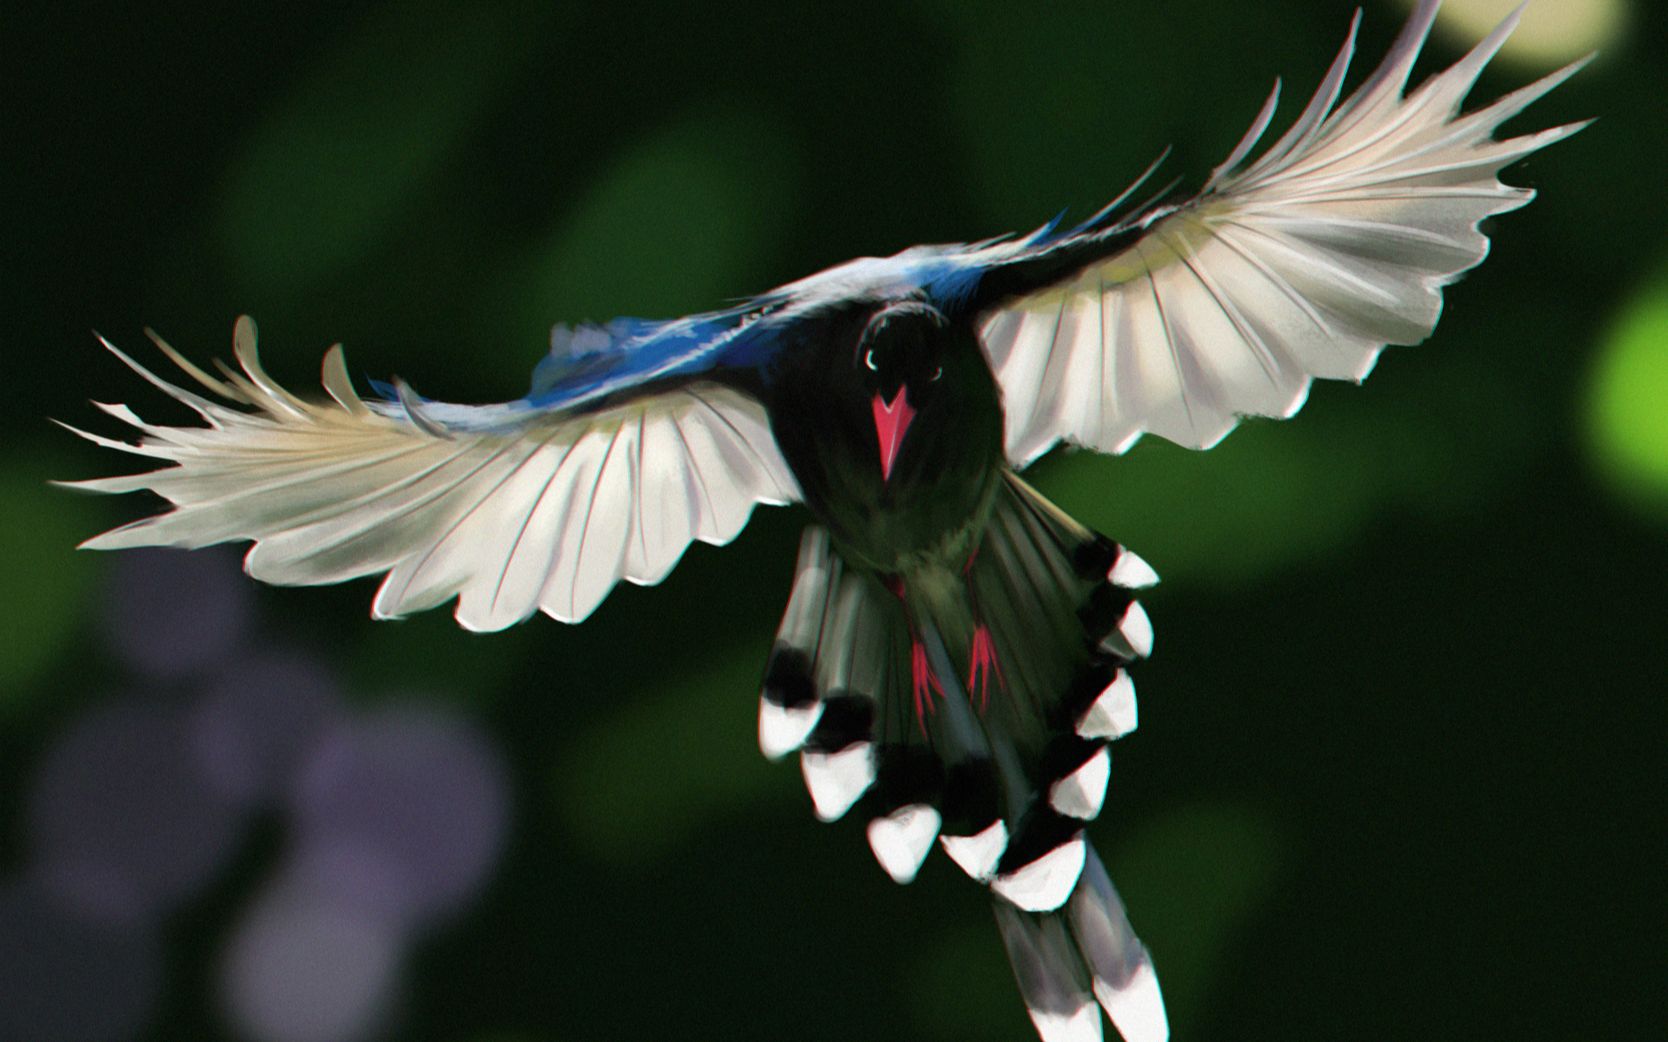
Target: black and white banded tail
x,y
974,706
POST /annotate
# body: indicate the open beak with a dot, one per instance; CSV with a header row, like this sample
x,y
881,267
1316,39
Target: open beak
x,y
891,422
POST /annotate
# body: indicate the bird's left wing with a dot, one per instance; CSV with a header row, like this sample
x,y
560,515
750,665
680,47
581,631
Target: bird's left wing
x,y
529,506
1305,263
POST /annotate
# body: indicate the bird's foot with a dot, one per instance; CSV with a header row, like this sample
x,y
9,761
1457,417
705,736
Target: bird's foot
x,y
983,666
923,682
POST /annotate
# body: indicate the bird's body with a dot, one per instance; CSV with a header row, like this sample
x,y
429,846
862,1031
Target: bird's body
x,y
928,510
955,653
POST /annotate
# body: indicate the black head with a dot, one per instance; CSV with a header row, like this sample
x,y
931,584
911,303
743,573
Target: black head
x,y
882,401
902,346
900,358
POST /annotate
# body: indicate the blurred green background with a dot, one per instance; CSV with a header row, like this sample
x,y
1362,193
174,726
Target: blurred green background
x,y
1399,774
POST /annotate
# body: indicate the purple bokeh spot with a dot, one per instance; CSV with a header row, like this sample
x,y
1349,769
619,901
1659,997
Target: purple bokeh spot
x,y
123,822
259,718
65,977
417,793
347,871
176,613
298,971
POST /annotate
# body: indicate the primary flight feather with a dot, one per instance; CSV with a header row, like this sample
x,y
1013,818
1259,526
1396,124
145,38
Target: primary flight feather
x,y
955,653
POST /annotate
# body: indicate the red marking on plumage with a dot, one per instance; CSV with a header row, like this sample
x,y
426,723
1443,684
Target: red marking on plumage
x,y
895,584
983,664
923,683
967,569
891,422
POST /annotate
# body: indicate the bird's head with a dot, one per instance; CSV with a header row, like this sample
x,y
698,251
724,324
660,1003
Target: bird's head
x,y
900,360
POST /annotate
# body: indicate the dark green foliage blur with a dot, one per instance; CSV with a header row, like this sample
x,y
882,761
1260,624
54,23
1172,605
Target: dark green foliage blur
x,y
1400,766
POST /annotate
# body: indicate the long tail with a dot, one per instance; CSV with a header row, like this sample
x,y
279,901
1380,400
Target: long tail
x,y
977,711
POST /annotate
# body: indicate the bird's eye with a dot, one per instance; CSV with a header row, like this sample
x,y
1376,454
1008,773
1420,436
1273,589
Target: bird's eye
x,y
869,360
936,374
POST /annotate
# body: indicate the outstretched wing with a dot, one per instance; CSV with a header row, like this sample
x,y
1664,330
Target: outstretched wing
x,y
516,508
1305,263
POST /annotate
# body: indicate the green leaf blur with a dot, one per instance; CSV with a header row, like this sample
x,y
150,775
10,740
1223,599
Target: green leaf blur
x,y
349,150
46,592
1629,401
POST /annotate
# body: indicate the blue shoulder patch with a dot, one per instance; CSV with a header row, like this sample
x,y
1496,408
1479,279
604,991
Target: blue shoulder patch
x,y
589,361
571,346
952,283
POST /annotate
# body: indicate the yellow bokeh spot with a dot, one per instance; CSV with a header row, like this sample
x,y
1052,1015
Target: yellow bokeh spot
x,y
1552,31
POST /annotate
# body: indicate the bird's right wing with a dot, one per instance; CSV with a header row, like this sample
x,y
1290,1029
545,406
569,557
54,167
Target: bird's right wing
x,y
510,509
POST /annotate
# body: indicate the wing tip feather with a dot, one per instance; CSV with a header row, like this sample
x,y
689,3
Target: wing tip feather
x,y
1377,148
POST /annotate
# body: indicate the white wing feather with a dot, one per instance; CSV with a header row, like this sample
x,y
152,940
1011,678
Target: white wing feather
x,y
540,512
1334,243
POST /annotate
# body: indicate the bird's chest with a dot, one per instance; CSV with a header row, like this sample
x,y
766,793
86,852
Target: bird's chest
x,y
936,498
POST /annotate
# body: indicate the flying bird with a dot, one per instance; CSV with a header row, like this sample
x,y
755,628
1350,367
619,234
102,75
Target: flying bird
x,y
956,650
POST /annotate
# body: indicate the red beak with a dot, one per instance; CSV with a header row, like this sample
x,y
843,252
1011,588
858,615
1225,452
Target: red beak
x,y
891,422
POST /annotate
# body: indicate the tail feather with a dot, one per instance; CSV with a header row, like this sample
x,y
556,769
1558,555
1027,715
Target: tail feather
x,y
1067,961
973,706
1122,970
1052,977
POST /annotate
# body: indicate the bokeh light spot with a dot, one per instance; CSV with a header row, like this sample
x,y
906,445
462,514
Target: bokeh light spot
x,y
1550,33
173,613
1628,404
121,817
297,972
340,869
258,719
420,793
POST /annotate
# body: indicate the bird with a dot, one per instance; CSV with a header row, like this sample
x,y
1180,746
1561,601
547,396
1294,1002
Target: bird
x,y
956,652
